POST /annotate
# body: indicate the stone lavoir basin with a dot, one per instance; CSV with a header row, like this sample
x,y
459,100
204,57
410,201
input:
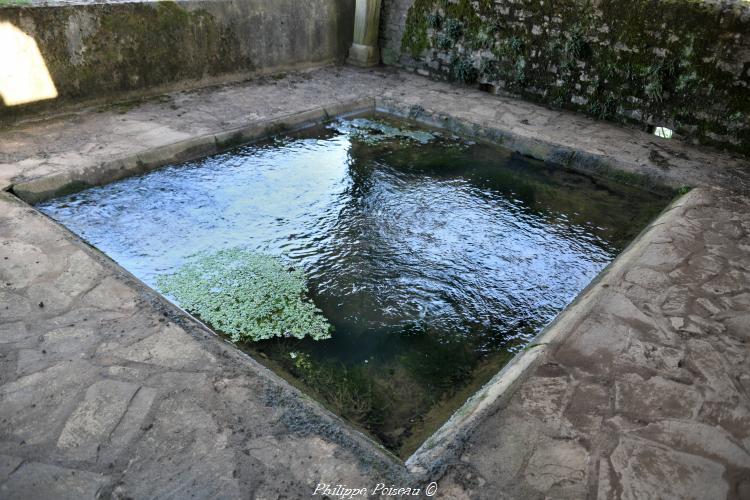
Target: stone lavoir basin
x,y
389,271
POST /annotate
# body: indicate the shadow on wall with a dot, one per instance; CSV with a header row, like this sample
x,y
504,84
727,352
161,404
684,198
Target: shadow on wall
x,y
24,77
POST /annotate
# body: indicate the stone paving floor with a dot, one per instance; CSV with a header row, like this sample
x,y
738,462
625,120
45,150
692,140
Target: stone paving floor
x,y
645,391
641,389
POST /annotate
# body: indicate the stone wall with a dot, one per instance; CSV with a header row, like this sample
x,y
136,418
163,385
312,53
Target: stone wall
x,y
101,50
683,64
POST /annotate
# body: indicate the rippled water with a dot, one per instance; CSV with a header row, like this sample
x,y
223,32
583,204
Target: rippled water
x,y
435,258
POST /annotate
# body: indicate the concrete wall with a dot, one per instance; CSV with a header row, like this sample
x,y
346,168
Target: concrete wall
x,y
101,50
684,64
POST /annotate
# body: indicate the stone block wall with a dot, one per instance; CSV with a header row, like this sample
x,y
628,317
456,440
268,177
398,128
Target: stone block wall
x,y
107,49
682,64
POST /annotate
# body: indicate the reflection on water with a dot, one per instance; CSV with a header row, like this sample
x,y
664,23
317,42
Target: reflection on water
x,y
434,258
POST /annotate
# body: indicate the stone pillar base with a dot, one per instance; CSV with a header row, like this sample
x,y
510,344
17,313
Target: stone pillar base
x,y
364,56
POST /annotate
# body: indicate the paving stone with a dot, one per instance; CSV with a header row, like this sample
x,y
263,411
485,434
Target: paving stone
x,y
738,302
46,297
170,347
130,425
727,283
588,405
707,325
197,458
712,367
656,357
126,372
597,341
655,398
95,419
649,279
705,267
8,465
545,398
199,382
28,263
450,490
622,306
510,431
605,488
33,407
743,490
61,344
708,305
13,332
278,453
738,326
13,307
61,339
677,323
677,301
558,469
664,257
650,470
699,439
111,294
81,274
37,480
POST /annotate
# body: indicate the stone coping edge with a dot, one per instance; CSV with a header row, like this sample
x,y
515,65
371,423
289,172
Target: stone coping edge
x,y
598,165
59,184
51,186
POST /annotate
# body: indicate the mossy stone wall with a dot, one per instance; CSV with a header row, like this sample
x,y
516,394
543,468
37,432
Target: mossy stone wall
x,y
683,64
96,50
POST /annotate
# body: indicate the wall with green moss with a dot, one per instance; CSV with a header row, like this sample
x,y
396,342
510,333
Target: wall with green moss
x,y
105,49
683,64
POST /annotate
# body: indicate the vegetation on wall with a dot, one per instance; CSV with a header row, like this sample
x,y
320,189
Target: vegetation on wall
x,y
651,62
246,295
201,45
107,48
103,50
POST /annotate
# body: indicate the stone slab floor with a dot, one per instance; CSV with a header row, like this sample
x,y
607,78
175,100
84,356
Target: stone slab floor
x,y
106,390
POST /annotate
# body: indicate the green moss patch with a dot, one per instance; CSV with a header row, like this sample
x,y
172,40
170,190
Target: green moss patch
x,y
675,63
247,295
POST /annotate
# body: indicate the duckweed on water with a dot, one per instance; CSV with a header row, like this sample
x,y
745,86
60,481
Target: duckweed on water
x,y
246,295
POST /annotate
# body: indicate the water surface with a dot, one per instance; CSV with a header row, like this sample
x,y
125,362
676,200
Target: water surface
x,y
435,258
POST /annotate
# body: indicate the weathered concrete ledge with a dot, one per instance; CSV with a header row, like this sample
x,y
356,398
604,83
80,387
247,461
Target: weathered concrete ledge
x,y
639,389
67,181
